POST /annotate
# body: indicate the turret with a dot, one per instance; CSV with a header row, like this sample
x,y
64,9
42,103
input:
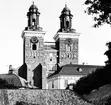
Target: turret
x,y
66,20
33,18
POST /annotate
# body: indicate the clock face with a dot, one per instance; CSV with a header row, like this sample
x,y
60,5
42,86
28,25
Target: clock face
x,y
34,39
68,41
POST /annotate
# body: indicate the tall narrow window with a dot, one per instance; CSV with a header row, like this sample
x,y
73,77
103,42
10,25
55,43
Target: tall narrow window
x,y
34,47
67,24
33,20
51,59
52,84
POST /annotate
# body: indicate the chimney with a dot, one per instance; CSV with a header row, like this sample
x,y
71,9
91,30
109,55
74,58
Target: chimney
x,y
83,63
10,70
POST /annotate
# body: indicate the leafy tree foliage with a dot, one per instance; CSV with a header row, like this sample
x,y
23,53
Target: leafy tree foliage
x,y
97,78
108,54
4,85
100,9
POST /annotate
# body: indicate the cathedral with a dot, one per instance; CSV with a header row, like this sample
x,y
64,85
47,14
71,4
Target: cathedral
x,y
51,65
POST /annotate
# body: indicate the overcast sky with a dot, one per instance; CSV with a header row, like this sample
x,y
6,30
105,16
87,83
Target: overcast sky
x,y
13,20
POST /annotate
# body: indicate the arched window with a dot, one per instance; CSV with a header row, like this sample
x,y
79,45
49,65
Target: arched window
x,y
79,69
34,47
33,20
52,84
51,59
67,24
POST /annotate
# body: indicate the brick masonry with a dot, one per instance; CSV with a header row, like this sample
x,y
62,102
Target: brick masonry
x,y
41,97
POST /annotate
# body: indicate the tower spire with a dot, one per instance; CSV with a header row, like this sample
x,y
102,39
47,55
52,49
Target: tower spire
x,y
66,20
65,4
33,18
33,2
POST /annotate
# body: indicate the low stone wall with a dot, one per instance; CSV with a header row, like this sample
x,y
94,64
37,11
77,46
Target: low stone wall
x,y
40,97
100,96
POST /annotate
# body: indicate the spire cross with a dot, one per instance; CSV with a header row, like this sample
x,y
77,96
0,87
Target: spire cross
x,y
65,3
33,2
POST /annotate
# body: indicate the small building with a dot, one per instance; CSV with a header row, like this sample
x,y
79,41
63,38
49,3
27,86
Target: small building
x,y
68,74
13,79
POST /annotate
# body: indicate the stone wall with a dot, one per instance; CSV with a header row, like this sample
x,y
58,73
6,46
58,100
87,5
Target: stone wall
x,y
40,97
100,96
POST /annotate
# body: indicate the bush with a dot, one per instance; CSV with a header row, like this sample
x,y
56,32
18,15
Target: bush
x,y
99,77
96,79
4,85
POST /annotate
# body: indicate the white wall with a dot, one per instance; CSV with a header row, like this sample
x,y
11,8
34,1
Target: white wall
x,y
59,81
54,80
68,79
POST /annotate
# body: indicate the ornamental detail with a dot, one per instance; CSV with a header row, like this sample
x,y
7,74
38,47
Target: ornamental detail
x,y
34,39
66,55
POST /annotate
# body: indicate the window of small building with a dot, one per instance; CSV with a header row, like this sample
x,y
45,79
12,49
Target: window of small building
x,y
79,69
66,83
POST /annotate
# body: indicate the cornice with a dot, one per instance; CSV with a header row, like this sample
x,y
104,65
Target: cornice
x,y
66,35
34,33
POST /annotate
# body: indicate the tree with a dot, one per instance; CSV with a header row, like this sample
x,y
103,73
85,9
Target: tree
x,y
99,77
4,85
108,53
100,9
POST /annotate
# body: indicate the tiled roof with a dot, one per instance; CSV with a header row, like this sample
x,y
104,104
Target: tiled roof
x,y
12,79
49,46
15,80
73,69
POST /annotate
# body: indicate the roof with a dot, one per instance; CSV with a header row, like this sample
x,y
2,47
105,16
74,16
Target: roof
x,y
49,46
15,80
74,69
33,7
12,79
66,8
66,11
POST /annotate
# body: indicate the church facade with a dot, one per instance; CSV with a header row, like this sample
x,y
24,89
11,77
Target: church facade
x,y
42,60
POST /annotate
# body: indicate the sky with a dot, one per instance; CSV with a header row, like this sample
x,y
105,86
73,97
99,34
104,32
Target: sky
x,y
13,20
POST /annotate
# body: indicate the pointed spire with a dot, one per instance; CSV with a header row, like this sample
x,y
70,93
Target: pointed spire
x,y
65,5
33,2
33,18
66,20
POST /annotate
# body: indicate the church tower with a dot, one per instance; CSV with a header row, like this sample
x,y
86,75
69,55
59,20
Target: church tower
x,y
66,39
33,43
